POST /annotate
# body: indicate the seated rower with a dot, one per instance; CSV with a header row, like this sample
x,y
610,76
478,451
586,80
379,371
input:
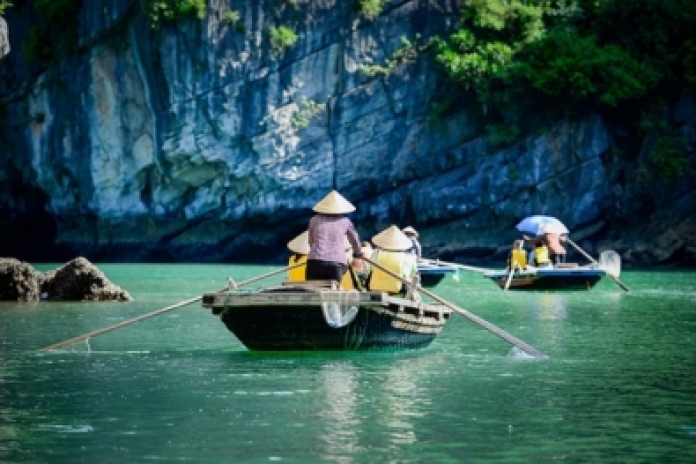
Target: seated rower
x,y
392,253
518,256
300,250
541,255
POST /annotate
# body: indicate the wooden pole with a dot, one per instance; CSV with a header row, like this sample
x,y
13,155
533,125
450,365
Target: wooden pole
x,y
181,304
616,279
472,317
513,266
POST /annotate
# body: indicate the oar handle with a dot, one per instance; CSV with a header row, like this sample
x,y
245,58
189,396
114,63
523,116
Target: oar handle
x,y
472,317
94,333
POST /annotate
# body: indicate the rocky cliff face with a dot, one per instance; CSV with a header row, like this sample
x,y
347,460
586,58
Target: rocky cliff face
x,y
197,141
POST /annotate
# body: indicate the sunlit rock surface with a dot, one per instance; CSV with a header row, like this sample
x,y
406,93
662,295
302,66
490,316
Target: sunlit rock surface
x,y
196,141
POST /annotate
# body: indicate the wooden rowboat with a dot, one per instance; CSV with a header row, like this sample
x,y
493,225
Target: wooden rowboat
x,y
579,278
301,316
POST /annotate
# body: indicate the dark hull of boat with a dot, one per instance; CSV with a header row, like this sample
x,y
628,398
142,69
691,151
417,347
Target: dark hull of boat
x,y
550,280
292,319
304,329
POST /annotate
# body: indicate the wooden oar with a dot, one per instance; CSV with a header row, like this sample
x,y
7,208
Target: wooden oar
x,y
513,266
472,317
94,333
437,262
614,278
509,279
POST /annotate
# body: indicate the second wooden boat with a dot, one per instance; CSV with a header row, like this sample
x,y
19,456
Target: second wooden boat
x,y
548,279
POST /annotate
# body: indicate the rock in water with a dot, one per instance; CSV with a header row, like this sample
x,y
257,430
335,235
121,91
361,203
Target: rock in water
x,y
80,280
19,281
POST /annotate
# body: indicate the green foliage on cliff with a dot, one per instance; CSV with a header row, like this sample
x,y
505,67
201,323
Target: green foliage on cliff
x,y
4,4
371,8
623,58
174,10
405,54
282,37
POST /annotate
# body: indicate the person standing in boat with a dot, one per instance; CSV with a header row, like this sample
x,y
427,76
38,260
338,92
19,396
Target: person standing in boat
x,y
328,230
392,254
552,241
413,236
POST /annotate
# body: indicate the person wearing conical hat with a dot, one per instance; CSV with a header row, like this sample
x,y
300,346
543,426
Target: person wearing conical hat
x,y
300,249
413,236
392,253
328,230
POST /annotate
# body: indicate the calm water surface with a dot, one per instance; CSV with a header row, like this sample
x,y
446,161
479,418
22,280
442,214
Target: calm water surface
x,y
619,384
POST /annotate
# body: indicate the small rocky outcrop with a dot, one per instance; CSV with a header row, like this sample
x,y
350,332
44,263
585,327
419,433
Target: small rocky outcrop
x,y
77,280
19,281
80,280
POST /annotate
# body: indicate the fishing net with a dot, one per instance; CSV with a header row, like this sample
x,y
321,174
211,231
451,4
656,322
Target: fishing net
x,y
340,308
610,261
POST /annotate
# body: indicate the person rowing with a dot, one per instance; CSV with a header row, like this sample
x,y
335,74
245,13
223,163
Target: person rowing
x,y
328,230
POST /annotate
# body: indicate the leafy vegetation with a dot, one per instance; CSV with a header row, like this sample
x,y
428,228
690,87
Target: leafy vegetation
x,y
623,58
4,4
282,37
233,18
371,8
174,10
407,53
307,109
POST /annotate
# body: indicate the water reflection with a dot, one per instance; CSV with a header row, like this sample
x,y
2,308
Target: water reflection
x,y
341,425
375,408
552,306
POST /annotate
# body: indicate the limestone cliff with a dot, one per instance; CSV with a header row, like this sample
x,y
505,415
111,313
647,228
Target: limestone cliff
x,y
198,141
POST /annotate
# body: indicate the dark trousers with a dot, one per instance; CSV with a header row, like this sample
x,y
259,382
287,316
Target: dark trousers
x,y
324,270
557,259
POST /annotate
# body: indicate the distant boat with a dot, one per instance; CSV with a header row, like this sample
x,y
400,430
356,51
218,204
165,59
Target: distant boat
x,y
432,274
315,315
560,278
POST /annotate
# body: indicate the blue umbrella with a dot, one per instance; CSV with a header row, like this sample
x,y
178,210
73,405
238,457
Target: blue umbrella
x,y
539,224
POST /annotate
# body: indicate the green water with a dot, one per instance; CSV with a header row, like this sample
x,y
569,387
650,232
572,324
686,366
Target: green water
x,y
619,384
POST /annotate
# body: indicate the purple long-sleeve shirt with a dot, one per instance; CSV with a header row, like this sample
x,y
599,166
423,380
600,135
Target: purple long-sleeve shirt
x,y
327,236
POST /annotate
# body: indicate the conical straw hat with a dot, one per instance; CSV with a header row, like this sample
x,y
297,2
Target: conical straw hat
x,y
300,244
392,239
409,229
334,203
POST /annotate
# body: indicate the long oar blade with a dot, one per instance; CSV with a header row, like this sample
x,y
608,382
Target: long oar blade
x,y
530,350
94,333
584,253
472,317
